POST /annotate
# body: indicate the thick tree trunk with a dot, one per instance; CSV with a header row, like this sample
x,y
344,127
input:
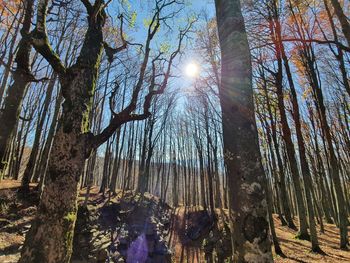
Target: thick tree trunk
x,y
248,205
143,180
51,235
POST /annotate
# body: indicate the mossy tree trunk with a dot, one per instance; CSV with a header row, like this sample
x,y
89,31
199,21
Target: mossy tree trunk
x,y
245,173
50,237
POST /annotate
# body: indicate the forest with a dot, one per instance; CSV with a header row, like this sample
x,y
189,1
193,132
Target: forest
x,y
168,131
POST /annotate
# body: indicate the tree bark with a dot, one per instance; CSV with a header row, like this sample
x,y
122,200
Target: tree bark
x,y
51,235
248,205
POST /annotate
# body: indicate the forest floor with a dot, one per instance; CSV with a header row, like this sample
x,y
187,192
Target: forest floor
x,y
15,218
297,250
184,249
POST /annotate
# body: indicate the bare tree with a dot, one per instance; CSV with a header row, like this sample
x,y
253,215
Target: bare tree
x,y
50,237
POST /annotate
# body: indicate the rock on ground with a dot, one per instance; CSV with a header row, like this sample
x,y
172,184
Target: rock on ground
x,y
128,229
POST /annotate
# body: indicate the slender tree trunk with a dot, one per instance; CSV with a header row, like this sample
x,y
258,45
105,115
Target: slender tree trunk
x,y
17,152
106,165
305,169
276,244
334,166
11,52
40,172
28,173
276,35
113,183
22,77
344,20
282,179
175,193
303,234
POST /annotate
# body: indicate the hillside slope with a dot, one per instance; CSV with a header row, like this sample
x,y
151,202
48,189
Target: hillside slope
x,y
120,227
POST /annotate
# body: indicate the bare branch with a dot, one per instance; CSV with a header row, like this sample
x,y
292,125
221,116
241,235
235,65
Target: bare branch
x,y
318,41
26,119
110,52
44,79
126,115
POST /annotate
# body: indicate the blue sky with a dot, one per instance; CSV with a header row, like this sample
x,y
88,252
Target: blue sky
x,y
143,9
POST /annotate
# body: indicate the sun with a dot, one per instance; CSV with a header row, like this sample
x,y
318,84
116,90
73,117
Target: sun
x,y
192,70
